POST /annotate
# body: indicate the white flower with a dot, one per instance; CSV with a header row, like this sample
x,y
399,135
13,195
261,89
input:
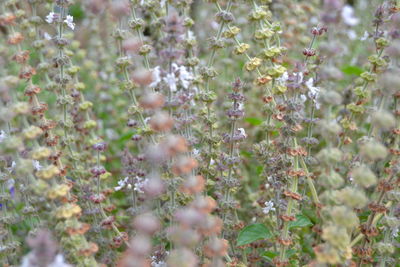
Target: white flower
x,y
31,261
395,232
36,165
365,36
242,132
352,34
121,184
59,262
191,35
196,152
214,25
47,36
185,77
50,17
348,16
162,3
3,136
155,263
70,22
158,263
10,169
283,78
313,92
299,77
269,206
140,184
156,76
146,120
111,134
170,79
10,183
240,106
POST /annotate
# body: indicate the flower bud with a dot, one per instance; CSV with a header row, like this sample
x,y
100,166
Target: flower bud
x,y
48,172
154,187
331,180
140,245
325,253
336,236
343,216
352,197
183,236
216,247
384,248
182,257
373,150
32,132
328,129
146,223
152,101
363,176
383,120
189,217
193,185
329,156
161,122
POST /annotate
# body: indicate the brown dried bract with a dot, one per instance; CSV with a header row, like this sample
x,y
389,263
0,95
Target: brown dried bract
x,y
27,72
93,248
267,99
371,231
21,57
16,38
292,195
40,109
377,208
284,242
362,251
385,186
287,218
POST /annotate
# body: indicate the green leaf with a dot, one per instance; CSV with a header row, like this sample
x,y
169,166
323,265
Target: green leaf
x,y
254,121
270,255
77,12
301,221
253,233
352,70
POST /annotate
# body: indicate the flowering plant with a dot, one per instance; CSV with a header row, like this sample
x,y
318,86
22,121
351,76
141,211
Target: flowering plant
x,y
178,133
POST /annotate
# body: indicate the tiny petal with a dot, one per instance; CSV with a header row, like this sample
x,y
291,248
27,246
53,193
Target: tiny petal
x,y
70,22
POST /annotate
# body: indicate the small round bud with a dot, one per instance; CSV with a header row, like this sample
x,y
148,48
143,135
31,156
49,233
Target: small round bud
x,y
373,150
352,197
146,223
383,120
363,176
100,146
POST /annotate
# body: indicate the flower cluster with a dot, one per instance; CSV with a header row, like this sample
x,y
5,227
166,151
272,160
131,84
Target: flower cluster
x,y
199,133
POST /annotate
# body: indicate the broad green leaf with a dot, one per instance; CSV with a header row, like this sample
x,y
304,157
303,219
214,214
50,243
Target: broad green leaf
x,y
253,233
301,221
352,70
254,121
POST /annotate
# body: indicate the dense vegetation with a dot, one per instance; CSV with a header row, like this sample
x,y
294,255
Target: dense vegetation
x,y
199,133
